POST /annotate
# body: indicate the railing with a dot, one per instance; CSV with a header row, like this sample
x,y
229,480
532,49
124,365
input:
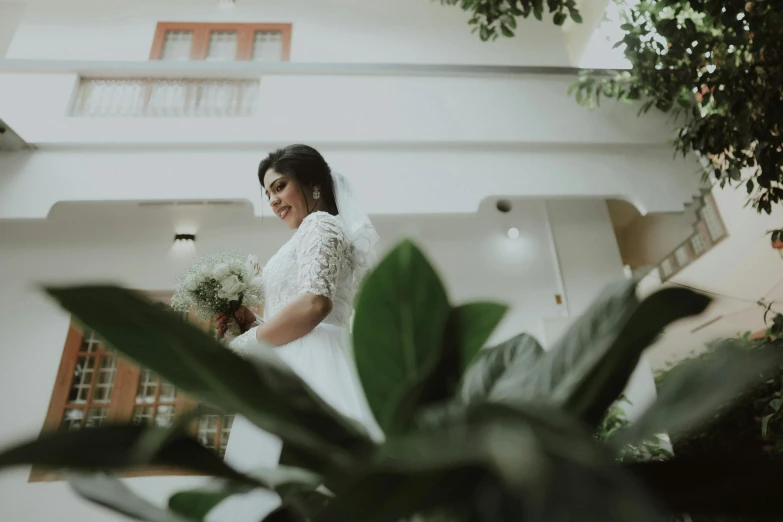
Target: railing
x,y
709,231
160,97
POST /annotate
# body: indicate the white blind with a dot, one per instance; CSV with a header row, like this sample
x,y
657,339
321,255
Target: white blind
x,y
222,46
176,45
268,46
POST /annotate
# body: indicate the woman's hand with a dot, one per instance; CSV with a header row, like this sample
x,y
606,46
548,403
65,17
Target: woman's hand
x,y
243,316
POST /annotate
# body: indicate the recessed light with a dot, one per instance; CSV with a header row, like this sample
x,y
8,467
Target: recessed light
x,y
185,238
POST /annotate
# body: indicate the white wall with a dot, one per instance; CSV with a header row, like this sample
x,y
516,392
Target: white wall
x,y
336,108
405,179
124,243
587,248
372,31
589,260
649,239
10,15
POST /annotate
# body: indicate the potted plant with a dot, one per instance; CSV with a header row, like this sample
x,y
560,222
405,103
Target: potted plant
x,y
493,434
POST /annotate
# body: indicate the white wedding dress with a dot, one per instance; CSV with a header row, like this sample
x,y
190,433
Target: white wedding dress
x,y
319,260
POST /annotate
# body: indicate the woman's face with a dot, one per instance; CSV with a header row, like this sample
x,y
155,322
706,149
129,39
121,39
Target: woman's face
x,y
286,198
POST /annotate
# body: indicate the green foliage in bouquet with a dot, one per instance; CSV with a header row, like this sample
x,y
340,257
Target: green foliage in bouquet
x,y
472,433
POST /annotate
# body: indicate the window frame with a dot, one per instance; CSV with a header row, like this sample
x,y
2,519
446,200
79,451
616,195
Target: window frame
x,y
201,34
122,400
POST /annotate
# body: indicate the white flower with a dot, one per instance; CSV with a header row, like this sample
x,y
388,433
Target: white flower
x,y
191,283
257,282
221,271
252,266
230,288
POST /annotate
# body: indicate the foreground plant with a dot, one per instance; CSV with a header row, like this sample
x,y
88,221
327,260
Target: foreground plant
x,y
503,433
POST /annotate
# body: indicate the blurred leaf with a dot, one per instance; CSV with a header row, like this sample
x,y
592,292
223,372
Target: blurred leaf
x,y
575,16
110,448
195,504
418,471
154,438
765,425
467,329
588,368
541,465
473,325
290,483
112,493
716,484
601,375
694,390
510,357
559,18
398,334
301,504
263,388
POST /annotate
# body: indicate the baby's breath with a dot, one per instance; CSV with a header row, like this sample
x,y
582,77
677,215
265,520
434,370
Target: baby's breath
x,y
218,283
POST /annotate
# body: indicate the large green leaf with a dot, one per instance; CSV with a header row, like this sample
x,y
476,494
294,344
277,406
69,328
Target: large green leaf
x,y
467,329
600,376
473,324
111,448
587,370
154,438
594,331
514,357
295,486
195,504
398,334
538,464
263,388
694,390
112,493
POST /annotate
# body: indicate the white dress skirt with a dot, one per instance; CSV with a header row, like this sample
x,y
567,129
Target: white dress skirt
x,y
316,260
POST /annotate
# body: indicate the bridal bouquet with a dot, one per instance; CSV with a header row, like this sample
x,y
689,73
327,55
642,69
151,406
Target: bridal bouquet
x,y
219,283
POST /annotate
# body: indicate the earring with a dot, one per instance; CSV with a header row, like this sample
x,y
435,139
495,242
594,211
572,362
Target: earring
x,y
316,192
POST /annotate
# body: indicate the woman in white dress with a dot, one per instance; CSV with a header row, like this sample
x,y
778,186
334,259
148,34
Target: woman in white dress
x,y
309,287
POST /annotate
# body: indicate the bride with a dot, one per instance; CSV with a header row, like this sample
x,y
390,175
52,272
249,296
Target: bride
x,y
309,287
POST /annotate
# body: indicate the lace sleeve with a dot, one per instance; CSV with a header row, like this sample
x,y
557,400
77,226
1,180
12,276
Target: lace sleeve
x,y
320,249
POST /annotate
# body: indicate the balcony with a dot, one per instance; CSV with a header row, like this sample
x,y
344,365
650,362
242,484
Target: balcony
x,y
177,127
47,103
164,98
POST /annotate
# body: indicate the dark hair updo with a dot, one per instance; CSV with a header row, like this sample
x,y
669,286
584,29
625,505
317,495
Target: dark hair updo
x,y
306,166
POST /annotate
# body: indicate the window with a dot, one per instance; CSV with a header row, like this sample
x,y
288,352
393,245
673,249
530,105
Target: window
x,y
96,385
222,42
